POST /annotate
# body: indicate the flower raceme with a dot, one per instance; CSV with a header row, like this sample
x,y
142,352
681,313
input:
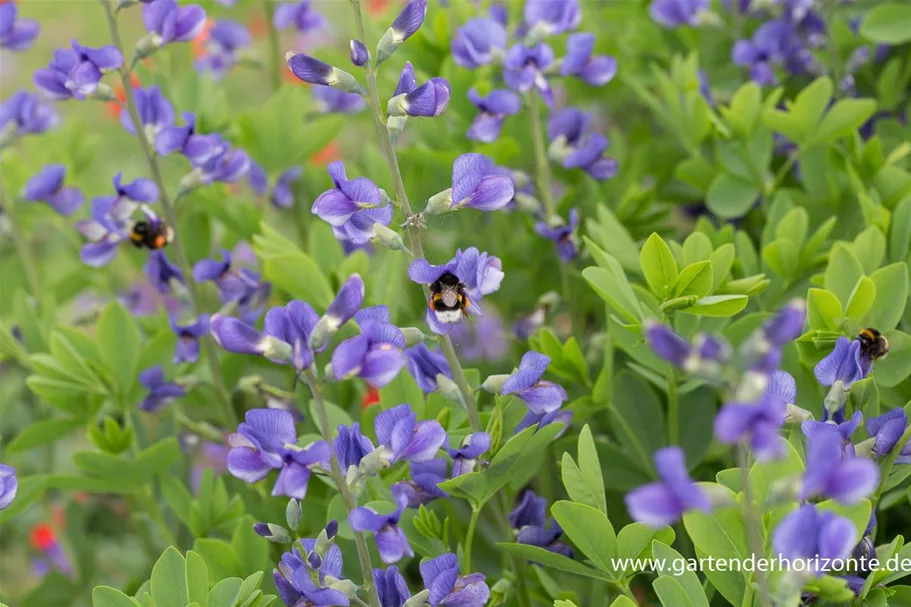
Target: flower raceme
x,y
16,34
664,502
428,100
47,186
77,72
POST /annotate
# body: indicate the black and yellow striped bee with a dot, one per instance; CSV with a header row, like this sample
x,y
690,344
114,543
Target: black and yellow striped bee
x,y
151,234
873,343
448,299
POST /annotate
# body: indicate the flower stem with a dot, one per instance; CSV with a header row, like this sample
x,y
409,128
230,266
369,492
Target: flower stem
x,y
414,232
542,172
208,345
10,207
341,484
673,409
469,535
888,464
754,532
275,74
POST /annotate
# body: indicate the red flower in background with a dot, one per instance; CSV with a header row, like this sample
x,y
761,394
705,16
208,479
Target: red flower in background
x,y
42,537
257,26
199,42
371,397
377,7
113,107
330,153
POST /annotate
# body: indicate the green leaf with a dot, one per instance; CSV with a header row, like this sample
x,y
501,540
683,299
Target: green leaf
x,y
686,588
888,23
861,299
900,239
766,474
896,367
722,259
42,432
225,592
782,256
858,513
197,579
842,273
155,459
658,266
300,277
118,342
718,305
607,285
870,249
811,102
590,466
730,197
622,601
251,550
614,238
696,247
892,286
337,416
843,119
695,279
635,541
220,558
722,534
552,560
104,465
590,531
169,581
823,310
105,596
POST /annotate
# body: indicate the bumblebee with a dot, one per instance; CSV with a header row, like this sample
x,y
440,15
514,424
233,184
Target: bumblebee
x,y
152,235
873,343
448,299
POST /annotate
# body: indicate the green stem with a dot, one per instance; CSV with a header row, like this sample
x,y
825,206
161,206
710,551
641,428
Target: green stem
x,y
414,232
10,207
542,164
673,409
469,535
889,463
275,58
183,261
754,532
341,484
624,589
834,58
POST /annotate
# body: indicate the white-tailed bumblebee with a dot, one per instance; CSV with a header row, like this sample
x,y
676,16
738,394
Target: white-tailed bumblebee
x,y
448,299
873,343
151,234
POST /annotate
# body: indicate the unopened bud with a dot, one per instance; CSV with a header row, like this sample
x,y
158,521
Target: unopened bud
x,y
293,514
439,203
413,336
314,561
346,587
276,349
387,237
796,415
359,53
866,448
331,529
103,93
377,460
273,533
191,181
836,398
418,600
449,389
322,332
148,44
494,383
395,125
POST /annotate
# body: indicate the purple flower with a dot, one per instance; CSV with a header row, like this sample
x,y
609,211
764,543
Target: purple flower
x,y
564,235
886,430
539,395
9,485
25,114
478,42
334,101
493,108
226,39
161,392
428,100
47,186
314,71
155,112
810,535
301,576
475,184
846,364
167,22
266,441
196,147
403,27
160,271
553,17
478,273
390,539
441,577
425,364
359,54
282,194
285,336
391,587
407,439
663,503
674,13
376,354
77,72
225,164
846,428
339,205
108,228
240,285
832,472
529,520
16,34
299,15
351,446
465,458
424,484
188,339
523,69
774,43
757,423
483,339
578,148
560,416
579,62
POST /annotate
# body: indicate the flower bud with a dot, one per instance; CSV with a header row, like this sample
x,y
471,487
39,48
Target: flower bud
x,y
346,587
377,460
276,349
796,415
836,398
359,54
331,529
395,125
314,561
413,336
418,600
439,203
494,383
147,45
103,93
388,238
405,25
449,389
866,448
273,533
315,71
191,181
293,514
322,333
